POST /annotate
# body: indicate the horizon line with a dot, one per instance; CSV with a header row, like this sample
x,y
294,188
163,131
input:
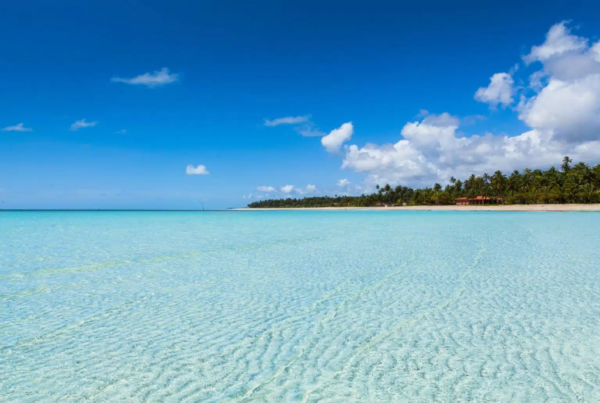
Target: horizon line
x,y
124,210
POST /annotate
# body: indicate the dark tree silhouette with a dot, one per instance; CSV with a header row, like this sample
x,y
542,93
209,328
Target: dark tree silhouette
x,y
578,183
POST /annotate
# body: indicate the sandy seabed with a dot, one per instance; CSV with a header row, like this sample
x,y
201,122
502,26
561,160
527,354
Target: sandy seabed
x,y
512,207
299,306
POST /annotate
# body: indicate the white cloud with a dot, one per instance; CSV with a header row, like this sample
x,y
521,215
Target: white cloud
x,y
157,78
288,120
536,80
443,120
308,130
303,125
17,128
307,190
255,196
334,140
199,170
569,109
343,182
122,131
265,189
563,118
558,41
568,103
562,114
572,66
287,188
433,153
500,90
471,120
82,124
595,51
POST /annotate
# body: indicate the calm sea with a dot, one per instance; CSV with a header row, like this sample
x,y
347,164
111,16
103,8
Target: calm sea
x,y
299,306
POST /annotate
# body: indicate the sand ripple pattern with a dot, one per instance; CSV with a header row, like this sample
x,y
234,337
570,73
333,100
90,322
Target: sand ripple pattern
x,y
300,306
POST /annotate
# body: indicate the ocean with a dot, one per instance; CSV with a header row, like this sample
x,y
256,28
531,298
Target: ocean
x,y
307,306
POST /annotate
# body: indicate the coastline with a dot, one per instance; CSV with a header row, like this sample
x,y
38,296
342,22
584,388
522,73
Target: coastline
x,y
512,207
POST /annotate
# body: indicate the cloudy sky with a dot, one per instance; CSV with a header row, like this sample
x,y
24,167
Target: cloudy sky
x,y
154,104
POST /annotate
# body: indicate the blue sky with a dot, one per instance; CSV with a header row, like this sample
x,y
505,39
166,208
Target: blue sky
x,y
375,65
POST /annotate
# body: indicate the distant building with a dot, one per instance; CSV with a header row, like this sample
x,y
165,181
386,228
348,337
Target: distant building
x,y
466,201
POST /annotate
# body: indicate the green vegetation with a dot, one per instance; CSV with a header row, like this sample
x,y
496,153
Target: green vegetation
x,y
571,184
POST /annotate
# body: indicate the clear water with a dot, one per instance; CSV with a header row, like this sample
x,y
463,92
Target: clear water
x,y
300,306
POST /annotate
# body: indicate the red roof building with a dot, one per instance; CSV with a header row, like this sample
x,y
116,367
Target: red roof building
x,y
466,201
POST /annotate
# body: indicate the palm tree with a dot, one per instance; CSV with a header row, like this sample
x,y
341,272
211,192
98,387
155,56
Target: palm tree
x,y
569,191
569,184
458,186
527,181
596,177
589,193
499,184
565,164
514,183
469,186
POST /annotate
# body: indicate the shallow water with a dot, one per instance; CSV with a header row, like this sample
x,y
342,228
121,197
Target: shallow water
x,y
299,306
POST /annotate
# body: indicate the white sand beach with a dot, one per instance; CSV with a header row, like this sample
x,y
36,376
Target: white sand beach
x,y
512,207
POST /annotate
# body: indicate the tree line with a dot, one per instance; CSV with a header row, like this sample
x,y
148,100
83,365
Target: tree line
x,y
578,183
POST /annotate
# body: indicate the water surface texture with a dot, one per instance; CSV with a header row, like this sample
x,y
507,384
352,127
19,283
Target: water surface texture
x,y
299,306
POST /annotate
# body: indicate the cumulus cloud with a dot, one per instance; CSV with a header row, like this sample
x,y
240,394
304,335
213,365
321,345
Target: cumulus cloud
x,y
561,108
288,120
198,170
536,80
595,51
568,101
563,116
500,91
558,41
343,182
122,131
307,190
82,124
334,140
569,109
430,153
266,189
471,120
17,128
287,188
155,79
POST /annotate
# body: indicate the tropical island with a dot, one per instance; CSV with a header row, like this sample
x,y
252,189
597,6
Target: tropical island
x,y
570,184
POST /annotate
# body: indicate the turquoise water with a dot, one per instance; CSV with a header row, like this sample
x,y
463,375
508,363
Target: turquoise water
x,y
299,306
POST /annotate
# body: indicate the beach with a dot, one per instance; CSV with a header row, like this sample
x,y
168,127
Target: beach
x,y
508,208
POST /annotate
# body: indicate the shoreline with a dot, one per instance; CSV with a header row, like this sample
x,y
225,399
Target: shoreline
x,y
507,208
